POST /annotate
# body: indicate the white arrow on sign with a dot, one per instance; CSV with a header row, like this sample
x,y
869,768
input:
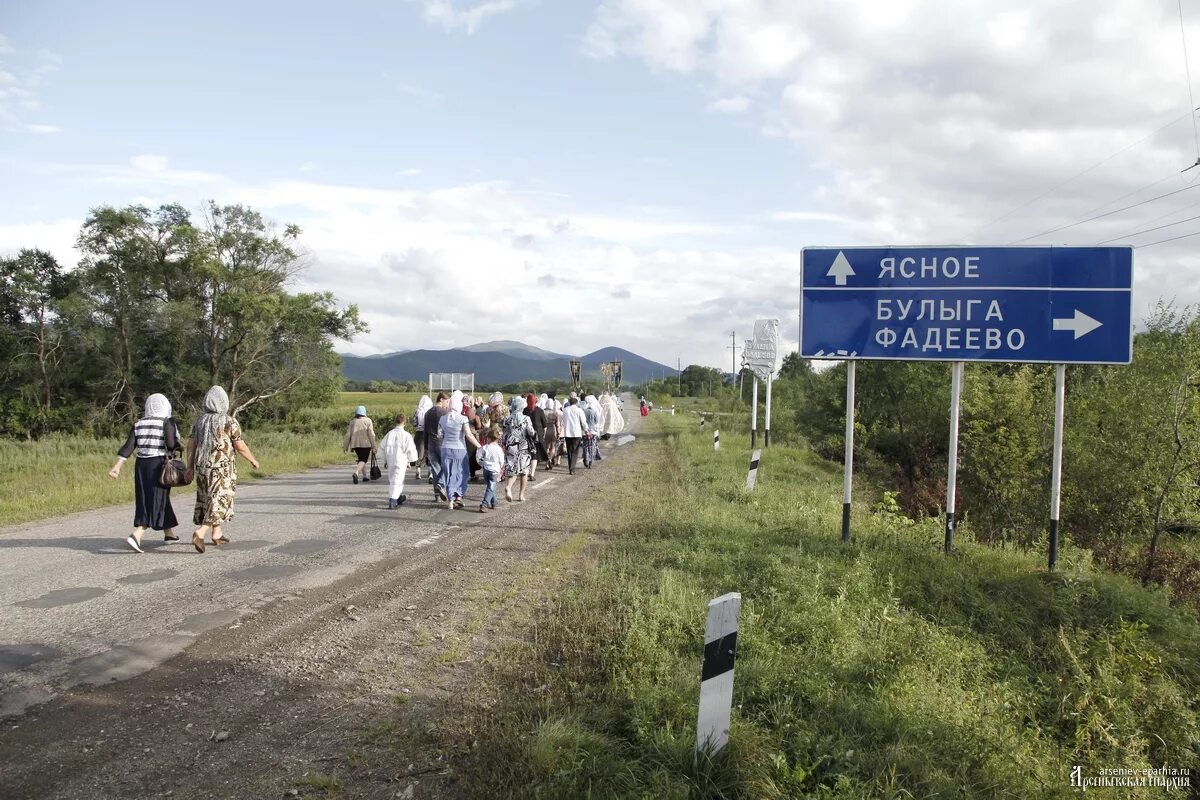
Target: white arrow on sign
x,y
840,270
1081,324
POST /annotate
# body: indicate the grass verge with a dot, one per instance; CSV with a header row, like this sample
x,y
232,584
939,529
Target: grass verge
x,y
878,669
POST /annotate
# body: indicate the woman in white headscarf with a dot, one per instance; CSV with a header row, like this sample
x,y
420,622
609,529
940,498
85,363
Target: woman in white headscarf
x,y
614,420
154,437
418,429
553,430
212,457
456,461
595,421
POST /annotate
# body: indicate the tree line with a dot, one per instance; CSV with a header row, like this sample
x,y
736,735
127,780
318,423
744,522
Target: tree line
x,y
163,302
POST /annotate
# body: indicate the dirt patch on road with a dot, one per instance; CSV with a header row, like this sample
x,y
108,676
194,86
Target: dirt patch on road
x,y
333,692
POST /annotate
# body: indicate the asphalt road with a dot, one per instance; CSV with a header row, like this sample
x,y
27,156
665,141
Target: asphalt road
x,y
80,608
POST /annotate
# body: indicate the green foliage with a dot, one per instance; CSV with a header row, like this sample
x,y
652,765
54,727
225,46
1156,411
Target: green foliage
x,y
877,669
161,304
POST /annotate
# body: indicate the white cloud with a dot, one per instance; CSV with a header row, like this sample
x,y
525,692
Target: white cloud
x,y
307,166
926,121
453,15
730,105
149,163
408,173
21,74
639,271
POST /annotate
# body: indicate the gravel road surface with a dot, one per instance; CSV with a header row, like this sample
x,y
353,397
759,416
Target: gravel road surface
x,y
321,588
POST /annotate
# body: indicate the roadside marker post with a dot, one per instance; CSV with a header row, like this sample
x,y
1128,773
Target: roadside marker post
x,y
1023,305
956,379
716,675
752,476
716,440
848,469
1060,394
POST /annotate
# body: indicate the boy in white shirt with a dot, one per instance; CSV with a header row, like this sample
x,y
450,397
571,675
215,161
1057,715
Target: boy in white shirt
x,y
491,460
398,450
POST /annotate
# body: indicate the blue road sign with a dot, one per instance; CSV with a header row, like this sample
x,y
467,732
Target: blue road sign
x,y
1054,305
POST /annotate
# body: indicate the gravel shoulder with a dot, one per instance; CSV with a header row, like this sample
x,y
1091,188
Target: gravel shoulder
x,y
318,687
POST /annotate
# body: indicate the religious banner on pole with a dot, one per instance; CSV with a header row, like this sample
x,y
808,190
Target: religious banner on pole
x,y
575,370
761,354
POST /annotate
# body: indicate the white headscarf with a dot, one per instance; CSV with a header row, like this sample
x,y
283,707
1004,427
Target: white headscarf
x,y
456,401
157,407
423,406
495,399
208,427
544,402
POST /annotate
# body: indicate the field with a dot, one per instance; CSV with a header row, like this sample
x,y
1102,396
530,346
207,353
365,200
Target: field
x,y
61,474
878,669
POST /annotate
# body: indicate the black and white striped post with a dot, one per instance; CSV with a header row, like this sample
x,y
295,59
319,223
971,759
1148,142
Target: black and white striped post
x,y
716,676
717,439
752,476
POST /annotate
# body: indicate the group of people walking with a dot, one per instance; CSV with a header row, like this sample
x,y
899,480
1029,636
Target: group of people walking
x,y
212,450
455,437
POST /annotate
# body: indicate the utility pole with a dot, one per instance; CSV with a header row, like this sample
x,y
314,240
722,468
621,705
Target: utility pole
x,y
678,377
733,355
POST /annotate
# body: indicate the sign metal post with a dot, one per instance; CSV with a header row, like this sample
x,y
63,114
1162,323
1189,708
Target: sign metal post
x,y
767,418
956,379
848,472
1060,395
754,413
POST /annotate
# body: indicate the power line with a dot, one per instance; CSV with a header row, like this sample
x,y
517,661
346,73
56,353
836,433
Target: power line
x,y
1078,175
1149,230
1105,214
1188,70
1172,239
1164,215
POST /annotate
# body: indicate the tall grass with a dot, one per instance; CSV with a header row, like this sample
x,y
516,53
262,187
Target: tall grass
x,y
877,669
62,474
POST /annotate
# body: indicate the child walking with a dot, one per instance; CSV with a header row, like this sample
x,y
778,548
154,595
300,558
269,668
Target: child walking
x,y
398,450
491,460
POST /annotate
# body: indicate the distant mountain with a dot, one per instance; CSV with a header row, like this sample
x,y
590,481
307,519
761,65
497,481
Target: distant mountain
x,y
516,362
516,349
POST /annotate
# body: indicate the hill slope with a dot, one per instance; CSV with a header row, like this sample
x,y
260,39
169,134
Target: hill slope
x,y
511,362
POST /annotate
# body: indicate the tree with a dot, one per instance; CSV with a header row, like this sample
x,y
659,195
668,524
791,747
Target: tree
x,y
35,284
259,340
132,278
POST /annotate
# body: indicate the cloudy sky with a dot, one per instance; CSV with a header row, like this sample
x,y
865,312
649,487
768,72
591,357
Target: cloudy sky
x,y
640,173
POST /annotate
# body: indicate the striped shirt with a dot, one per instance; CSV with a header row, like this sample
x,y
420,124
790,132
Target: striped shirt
x,y
151,438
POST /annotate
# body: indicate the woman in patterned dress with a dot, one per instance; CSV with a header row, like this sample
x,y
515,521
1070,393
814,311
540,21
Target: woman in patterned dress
x,y
518,448
212,458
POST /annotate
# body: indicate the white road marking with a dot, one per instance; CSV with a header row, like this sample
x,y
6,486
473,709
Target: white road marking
x,y
539,484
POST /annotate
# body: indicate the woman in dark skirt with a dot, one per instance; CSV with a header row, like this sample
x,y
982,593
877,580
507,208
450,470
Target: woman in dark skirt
x,y
154,437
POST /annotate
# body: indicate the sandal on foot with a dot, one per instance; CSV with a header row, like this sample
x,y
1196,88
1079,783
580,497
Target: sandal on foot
x,y
198,543
170,537
132,541
220,540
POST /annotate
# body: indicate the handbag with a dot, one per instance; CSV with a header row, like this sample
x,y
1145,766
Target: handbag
x,y
174,472
376,472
